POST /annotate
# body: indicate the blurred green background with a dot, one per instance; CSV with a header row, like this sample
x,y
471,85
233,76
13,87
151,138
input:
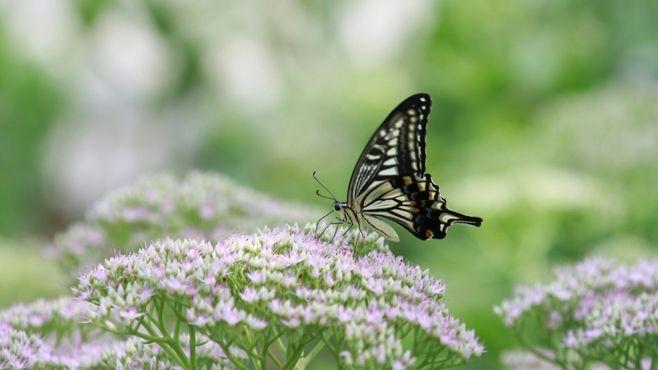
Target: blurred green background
x,y
544,123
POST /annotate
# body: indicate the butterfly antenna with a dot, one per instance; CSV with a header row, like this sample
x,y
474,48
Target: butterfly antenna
x,y
324,187
317,192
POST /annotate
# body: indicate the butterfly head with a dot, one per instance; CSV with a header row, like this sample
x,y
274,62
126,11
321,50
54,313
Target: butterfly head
x,y
336,205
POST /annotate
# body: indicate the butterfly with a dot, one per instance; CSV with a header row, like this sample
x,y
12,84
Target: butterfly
x,y
389,182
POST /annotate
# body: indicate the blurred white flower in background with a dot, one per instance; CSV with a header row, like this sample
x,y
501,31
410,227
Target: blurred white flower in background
x,y
374,31
91,155
540,188
126,56
43,29
245,70
611,129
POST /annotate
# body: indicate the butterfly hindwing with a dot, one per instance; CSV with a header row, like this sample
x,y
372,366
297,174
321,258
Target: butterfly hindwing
x,y
430,217
382,228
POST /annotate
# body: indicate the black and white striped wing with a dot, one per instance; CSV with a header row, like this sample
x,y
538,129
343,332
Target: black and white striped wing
x,y
397,147
389,181
415,203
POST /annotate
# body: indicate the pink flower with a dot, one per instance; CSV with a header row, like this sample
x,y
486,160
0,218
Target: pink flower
x,y
244,283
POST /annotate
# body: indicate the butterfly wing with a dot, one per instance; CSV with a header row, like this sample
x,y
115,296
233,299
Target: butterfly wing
x,y
415,203
389,180
382,228
396,148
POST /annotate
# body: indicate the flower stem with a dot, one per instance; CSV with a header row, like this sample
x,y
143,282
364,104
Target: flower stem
x,y
282,347
227,352
305,360
165,343
173,343
275,359
192,347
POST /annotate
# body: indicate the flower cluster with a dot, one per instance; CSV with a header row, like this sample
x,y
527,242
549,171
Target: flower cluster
x,y
47,316
18,350
59,328
56,334
83,355
597,311
200,206
270,296
521,360
625,120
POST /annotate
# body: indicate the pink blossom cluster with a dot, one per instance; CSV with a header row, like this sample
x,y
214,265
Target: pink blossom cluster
x,y
247,291
46,316
22,349
18,350
614,319
57,334
202,206
598,310
61,329
82,355
522,360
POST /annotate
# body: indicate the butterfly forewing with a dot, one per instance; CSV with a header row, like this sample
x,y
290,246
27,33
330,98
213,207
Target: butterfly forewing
x,y
396,148
389,180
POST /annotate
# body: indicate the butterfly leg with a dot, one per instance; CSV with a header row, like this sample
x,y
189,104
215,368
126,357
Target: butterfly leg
x,y
348,230
337,223
358,224
323,231
318,224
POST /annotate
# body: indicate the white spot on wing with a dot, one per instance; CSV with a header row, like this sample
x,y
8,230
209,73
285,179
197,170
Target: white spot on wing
x,y
373,157
392,133
389,172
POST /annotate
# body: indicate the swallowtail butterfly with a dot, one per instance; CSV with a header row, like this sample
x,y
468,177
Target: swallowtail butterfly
x,y
389,180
